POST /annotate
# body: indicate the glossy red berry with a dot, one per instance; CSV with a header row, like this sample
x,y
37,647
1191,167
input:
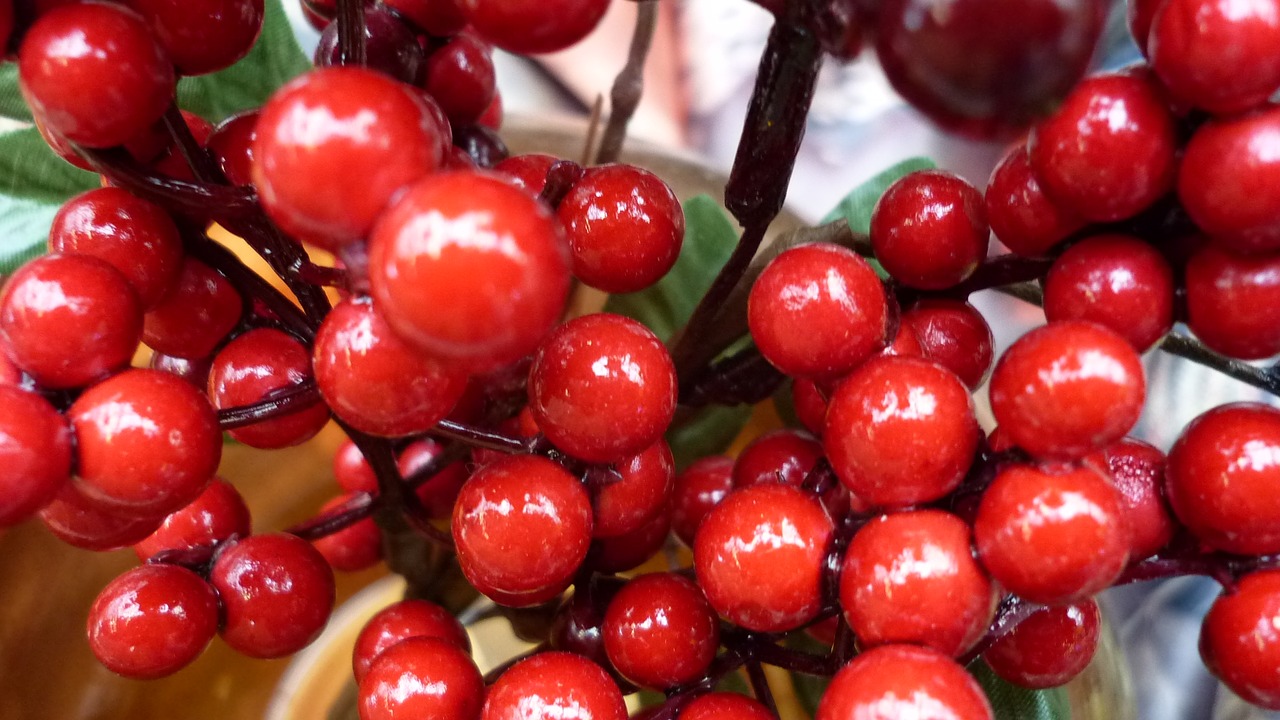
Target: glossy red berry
x,y
200,310
445,233
256,366
529,171
501,507
1141,15
35,456
424,678
554,685
530,27
1048,648
352,471
340,122
82,522
911,578
698,489
68,320
817,311
353,548
152,621
202,36
375,381
1239,641
460,76
759,556
1052,535
929,230
1231,302
231,144
438,18
659,631
94,73
1138,471
625,228
1108,151
1229,181
439,492
602,387
810,404
401,621
627,552
277,592
725,706
217,515
953,334
1217,56
1022,216
147,443
390,45
781,456
493,115
1067,388
901,431
638,492
901,681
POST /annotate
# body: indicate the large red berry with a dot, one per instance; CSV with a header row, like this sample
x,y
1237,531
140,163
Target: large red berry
x,y
68,320
1108,152
901,431
1239,640
94,73
1233,302
1049,647
698,489
953,334
425,678
725,706
277,592
759,556
481,247
533,26
911,578
1218,56
218,515
1022,216
82,522
147,442
817,310
894,682
202,36
501,509
929,230
1067,388
152,621
401,621
601,387
638,492
195,316
1138,472
35,454
1221,478
333,123
1229,181
554,685
1052,535
659,631
256,366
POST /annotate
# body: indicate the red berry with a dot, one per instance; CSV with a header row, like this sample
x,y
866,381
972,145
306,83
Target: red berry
x,y
444,234
639,492
530,27
147,443
1022,216
332,123
1231,303
81,522
460,77
528,171
1217,56
659,631
1108,152
438,18
255,366
1229,181
503,506
759,556
810,403
817,311
493,115
781,456
1138,472
953,334
94,73
68,320
35,454
390,45
440,491
352,471
1067,388
901,431
196,314
1142,14
929,230
554,685
354,548
232,143
375,381
277,592
725,706
134,236
602,387
625,228
627,552
424,678
202,36
217,515
911,578
901,681
152,621
401,621
698,489
1239,641
1052,535
1048,648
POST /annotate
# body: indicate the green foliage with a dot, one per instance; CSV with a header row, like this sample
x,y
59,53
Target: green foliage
x,y
34,182
856,207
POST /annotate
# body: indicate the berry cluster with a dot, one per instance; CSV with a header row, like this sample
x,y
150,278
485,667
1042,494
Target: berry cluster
x,y
532,448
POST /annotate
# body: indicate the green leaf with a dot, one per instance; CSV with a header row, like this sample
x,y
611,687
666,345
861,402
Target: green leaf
x,y
275,59
856,207
34,182
708,432
12,105
1011,702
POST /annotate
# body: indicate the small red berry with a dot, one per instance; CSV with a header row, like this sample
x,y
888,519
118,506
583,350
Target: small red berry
x,y
893,682
438,18
701,487
1022,216
929,230
218,515
35,454
439,492
953,334
1239,640
390,45
353,548
81,522
554,685
528,171
401,621
1048,648
627,552
781,456
255,366
422,677
1138,472
203,36
196,315
352,471
1233,302
725,706
1229,181
531,27
1217,56
231,144
659,631
811,404
639,491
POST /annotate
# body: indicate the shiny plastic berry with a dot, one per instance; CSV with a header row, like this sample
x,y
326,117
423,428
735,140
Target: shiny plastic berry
x,y
529,171
444,235
659,631
152,621
231,144
390,45
1141,15
340,122
218,514
1229,181
82,522
35,455
375,381
911,578
953,334
1067,388
602,387
1231,302
810,405
499,510
1022,216
438,18
817,311
257,365
68,320
353,548
1108,151
530,27
460,76
759,556
1138,472
1217,56
195,316
147,443
627,552
929,230
901,681
1048,648
901,431
195,371
401,621
424,678
94,73
1221,475
134,236
203,36
1052,535
698,489
352,471
781,456
725,706
439,492
554,685
640,491
1239,641
277,592
625,228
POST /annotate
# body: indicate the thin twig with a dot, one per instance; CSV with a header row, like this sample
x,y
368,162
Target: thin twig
x,y
760,686
628,86
351,40
284,402
593,129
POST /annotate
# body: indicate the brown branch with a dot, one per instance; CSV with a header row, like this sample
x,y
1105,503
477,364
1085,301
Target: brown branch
x,y
628,86
283,402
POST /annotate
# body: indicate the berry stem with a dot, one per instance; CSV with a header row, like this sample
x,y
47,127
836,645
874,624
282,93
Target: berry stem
x,y
187,198
760,686
351,40
479,437
1012,611
628,86
742,378
560,178
324,276
353,510
249,283
277,404
198,159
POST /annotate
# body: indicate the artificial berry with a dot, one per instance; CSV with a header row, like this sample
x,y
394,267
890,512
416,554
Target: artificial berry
x,y
725,706
353,548
781,456
438,18
196,315
484,146
602,387
810,404
217,515
1232,302
817,311
352,471
203,36
627,552
81,522
1217,56
401,621
256,366
152,621
1049,647
390,45
528,171
953,334
625,228
439,492
554,685
425,678
701,487
638,492
460,77
903,681
172,162
1138,471
492,115
277,592
1141,15
531,27
659,631
35,456
231,143
929,230
1239,640
1022,216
